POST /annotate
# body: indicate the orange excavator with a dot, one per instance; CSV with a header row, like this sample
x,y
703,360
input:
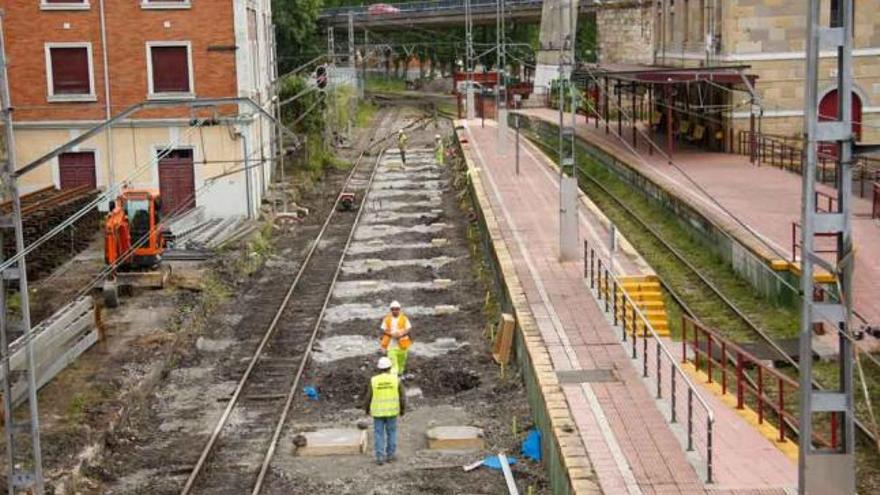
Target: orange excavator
x,y
133,242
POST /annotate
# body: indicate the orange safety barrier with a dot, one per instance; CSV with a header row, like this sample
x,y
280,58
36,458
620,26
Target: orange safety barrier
x,y
767,388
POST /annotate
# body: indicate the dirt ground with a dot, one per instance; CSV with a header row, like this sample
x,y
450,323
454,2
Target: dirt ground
x,y
132,415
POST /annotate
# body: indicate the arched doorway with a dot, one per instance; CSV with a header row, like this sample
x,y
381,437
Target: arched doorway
x,y
828,110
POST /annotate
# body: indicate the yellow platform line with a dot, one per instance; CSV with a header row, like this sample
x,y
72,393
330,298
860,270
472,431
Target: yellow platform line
x,y
767,430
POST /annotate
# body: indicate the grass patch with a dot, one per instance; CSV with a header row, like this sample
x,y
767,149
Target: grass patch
x,y
776,320
385,84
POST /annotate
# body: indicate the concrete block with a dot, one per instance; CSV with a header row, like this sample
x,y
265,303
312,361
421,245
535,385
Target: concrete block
x,y
439,241
442,283
445,309
368,283
374,263
455,438
334,441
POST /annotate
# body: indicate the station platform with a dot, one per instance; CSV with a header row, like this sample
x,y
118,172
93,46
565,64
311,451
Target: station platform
x,y
765,198
630,444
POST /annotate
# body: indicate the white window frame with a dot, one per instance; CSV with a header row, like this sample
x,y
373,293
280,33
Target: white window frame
x,y
160,5
65,6
151,95
50,85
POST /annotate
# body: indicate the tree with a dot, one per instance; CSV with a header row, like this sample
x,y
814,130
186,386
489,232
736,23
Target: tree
x,y
296,24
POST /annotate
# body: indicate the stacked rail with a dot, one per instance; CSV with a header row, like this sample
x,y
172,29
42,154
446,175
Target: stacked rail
x,y
42,211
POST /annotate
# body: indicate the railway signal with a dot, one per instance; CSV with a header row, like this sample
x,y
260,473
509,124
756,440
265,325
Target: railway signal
x,y
321,76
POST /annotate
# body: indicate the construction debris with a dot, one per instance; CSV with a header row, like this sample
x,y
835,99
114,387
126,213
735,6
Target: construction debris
x,y
193,235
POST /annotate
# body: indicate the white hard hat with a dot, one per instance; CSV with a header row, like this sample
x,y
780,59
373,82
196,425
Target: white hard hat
x,y
394,304
384,363
436,136
400,131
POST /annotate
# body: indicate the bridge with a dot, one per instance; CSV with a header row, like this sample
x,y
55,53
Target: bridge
x,y
439,13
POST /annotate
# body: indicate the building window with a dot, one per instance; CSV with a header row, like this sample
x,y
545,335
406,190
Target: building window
x,y
165,4
69,72
836,11
169,70
64,4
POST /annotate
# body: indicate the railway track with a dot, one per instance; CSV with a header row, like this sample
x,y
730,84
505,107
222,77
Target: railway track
x,y
239,452
700,279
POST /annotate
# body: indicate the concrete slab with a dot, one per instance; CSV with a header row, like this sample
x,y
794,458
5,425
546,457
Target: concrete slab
x,y
333,441
455,438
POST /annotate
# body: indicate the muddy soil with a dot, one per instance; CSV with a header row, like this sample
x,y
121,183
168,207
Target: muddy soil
x,y
394,257
453,378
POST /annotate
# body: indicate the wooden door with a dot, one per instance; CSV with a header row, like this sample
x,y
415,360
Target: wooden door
x,y
77,169
177,182
828,110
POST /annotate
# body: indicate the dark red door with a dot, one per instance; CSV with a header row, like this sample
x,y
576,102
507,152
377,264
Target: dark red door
x,y
177,182
77,169
828,110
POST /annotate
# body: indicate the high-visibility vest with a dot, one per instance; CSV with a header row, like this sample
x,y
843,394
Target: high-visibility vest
x,y
405,341
386,396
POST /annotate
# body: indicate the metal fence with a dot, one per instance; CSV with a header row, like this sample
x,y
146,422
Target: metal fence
x,y
684,404
787,153
769,392
428,6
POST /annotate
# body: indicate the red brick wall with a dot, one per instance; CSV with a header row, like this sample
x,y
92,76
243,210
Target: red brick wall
x,y
208,23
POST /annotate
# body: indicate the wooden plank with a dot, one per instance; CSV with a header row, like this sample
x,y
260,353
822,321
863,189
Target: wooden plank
x,y
504,339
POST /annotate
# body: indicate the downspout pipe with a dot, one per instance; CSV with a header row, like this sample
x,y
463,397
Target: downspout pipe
x,y
111,173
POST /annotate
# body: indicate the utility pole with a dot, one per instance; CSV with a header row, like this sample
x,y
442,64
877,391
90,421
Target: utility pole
x,y
470,109
830,470
352,103
568,185
500,87
279,135
24,462
329,128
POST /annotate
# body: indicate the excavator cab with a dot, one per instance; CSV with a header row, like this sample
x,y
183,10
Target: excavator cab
x,y
133,242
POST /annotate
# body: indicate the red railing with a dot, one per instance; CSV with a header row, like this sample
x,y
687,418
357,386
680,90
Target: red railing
x,y
768,390
787,153
825,203
796,244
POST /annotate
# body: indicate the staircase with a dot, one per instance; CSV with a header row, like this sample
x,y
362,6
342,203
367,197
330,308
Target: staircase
x,y
645,292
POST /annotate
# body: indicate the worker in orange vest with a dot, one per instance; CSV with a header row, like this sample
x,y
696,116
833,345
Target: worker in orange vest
x,y
395,337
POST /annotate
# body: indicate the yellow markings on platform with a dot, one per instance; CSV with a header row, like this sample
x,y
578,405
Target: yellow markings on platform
x,y
645,291
821,275
767,430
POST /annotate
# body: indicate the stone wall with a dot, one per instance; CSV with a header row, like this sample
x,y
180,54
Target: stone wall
x,y
625,34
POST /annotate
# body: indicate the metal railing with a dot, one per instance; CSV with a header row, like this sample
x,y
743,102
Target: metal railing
x,y
787,153
796,241
427,6
658,364
771,393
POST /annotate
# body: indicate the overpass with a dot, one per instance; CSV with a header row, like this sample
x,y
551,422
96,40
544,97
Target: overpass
x,y
438,13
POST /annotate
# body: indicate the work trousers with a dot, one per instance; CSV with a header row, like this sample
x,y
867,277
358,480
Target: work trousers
x,y
403,155
398,360
385,437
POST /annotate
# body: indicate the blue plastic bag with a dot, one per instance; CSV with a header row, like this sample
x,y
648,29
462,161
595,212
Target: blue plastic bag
x,y
492,462
531,446
311,392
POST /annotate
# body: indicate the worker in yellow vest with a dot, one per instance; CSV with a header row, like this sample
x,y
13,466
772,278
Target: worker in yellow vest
x,y
395,337
401,145
439,149
385,400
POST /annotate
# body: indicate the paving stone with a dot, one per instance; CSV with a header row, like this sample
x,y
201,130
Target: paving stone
x,y
455,438
334,441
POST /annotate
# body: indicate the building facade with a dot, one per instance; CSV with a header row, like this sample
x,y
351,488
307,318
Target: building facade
x,y
75,63
770,37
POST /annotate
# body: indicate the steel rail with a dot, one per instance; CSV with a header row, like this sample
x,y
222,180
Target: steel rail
x,y
717,292
291,393
233,401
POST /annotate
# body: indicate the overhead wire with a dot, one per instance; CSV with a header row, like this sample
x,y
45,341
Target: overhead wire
x,y
639,155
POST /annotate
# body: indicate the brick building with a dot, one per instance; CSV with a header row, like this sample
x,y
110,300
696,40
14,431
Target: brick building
x,y
75,63
771,38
